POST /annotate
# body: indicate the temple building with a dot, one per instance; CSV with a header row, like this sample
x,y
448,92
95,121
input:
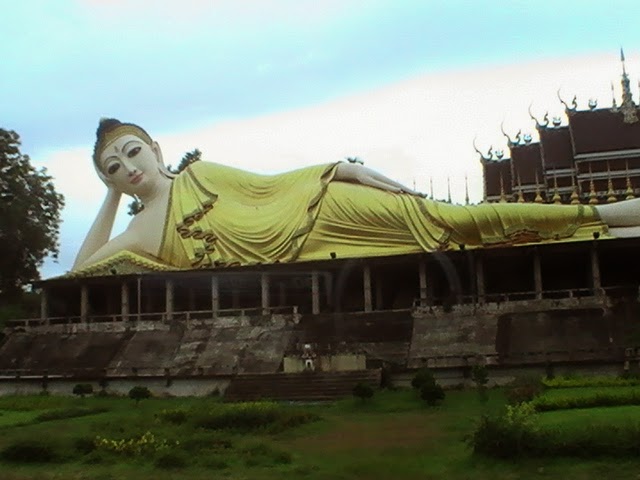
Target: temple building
x,y
260,330
594,158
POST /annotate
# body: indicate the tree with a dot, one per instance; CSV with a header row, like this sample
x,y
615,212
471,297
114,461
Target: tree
x,y
139,393
30,211
82,389
136,206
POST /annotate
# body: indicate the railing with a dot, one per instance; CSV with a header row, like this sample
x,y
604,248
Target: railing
x,y
158,317
521,296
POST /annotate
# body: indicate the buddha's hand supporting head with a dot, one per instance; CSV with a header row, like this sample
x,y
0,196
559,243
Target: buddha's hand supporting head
x,y
126,159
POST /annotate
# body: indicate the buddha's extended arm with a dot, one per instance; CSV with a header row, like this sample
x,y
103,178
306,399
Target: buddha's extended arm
x,y
352,172
100,231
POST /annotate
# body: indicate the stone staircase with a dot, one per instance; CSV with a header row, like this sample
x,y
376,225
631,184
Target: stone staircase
x,y
306,386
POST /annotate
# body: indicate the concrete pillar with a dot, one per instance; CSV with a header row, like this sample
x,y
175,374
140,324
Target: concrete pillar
x,y
215,296
537,273
44,306
168,299
366,279
595,270
264,293
315,293
378,284
139,288
422,276
124,301
480,288
84,303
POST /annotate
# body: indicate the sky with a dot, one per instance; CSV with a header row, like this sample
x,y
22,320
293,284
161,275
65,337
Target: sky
x,y
272,85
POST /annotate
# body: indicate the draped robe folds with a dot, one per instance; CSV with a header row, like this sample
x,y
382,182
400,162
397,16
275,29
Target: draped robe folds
x,y
222,216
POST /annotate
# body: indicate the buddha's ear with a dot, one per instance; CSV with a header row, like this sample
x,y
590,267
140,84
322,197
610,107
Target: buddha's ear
x,y
156,149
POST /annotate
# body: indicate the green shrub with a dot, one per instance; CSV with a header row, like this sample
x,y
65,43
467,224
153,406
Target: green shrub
x,y
508,435
253,416
139,393
70,412
136,446
170,460
422,377
523,389
363,391
480,375
264,454
30,451
82,389
431,394
174,416
594,381
601,398
198,442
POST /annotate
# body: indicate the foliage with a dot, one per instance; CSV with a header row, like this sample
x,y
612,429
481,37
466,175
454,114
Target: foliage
x,y
145,444
505,436
594,381
363,391
71,412
480,375
262,453
136,206
431,393
139,393
253,416
30,451
175,416
598,398
524,389
30,211
82,389
423,376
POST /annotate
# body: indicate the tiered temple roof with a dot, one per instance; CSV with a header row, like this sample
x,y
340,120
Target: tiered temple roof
x,y
595,158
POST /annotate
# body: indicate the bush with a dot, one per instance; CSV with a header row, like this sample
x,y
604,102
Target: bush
x,y
508,435
253,416
139,393
422,377
143,445
480,376
84,445
82,389
175,416
264,454
524,389
29,451
71,412
363,391
432,394
170,460
594,381
601,398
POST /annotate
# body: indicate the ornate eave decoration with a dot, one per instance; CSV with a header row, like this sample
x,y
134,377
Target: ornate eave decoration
x,y
123,263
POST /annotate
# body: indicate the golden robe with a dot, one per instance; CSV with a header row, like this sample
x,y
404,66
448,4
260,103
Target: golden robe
x,y
220,215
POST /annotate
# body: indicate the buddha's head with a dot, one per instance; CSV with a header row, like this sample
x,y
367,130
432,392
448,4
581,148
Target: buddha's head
x,y
126,157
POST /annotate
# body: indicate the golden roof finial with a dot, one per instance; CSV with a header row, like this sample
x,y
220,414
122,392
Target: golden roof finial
x,y
431,188
611,195
538,198
629,192
575,197
503,198
557,199
593,196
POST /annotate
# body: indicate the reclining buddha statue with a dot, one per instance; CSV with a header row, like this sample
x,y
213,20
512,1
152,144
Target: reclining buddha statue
x,y
213,215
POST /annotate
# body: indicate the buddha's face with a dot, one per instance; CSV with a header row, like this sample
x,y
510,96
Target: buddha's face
x,y
131,165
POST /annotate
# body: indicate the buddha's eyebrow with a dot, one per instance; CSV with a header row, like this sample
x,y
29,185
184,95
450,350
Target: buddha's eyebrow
x,y
127,144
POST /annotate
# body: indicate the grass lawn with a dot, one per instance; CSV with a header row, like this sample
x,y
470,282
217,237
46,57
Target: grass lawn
x,y
393,436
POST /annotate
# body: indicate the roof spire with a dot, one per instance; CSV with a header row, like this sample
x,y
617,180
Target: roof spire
x,y
520,194
627,107
466,189
557,199
575,197
448,189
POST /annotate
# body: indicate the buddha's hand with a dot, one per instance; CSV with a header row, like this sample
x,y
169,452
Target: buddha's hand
x,y
355,173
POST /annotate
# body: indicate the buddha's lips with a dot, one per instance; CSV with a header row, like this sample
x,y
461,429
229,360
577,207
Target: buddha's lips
x,y
135,180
